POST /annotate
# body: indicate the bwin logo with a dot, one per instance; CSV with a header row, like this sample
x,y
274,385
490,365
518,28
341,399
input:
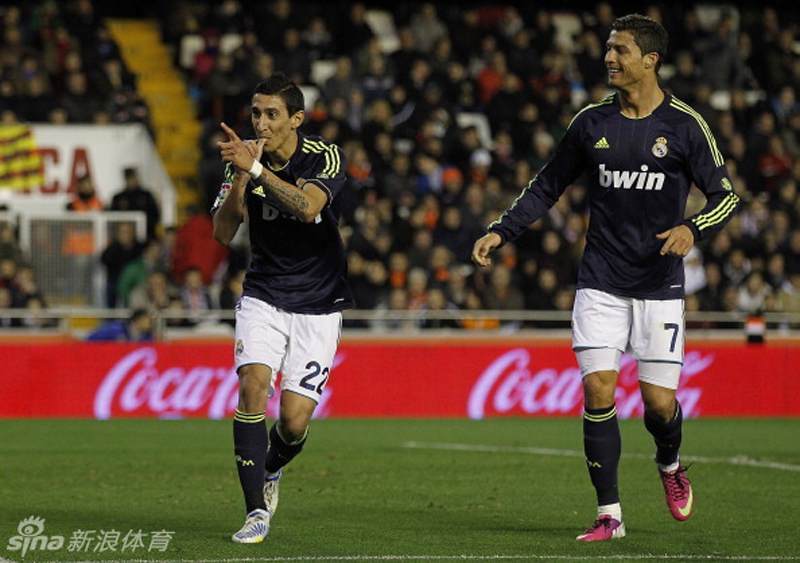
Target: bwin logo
x,y
626,179
30,537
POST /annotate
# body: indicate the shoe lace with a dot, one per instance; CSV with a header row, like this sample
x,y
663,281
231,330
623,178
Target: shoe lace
x,y
676,483
604,522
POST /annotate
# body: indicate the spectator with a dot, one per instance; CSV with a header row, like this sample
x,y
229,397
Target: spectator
x,y
34,305
720,63
9,247
398,270
136,328
686,79
439,313
138,271
194,293
543,296
737,267
123,249
155,294
752,294
439,264
318,39
354,32
195,247
775,273
454,235
426,27
293,58
695,273
781,60
710,296
417,288
789,295
8,272
501,293
24,287
395,302
6,303
774,164
232,289
134,197
85,196
342,82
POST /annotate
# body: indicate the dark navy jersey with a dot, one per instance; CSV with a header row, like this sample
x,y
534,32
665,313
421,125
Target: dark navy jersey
x,y
639,175
296,266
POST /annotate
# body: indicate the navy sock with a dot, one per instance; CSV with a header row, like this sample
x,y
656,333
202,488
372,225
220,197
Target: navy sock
x,y
250,446
280,452
667,436
603,446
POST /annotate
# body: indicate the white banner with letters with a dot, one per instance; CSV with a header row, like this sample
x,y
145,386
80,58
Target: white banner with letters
x,y
102,151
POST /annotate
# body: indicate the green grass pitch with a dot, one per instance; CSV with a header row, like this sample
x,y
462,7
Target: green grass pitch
x,y
511,489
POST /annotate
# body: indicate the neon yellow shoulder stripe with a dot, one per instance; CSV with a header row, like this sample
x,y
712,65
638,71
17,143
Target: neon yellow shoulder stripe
x,y
333,161
712,143
604,102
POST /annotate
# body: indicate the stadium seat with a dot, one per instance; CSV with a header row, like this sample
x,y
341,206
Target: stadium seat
x,y
311,94
321,71
479,121
568,25
381,23
191,44
229,42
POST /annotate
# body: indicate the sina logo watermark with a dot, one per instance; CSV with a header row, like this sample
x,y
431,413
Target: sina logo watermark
x,y
31,536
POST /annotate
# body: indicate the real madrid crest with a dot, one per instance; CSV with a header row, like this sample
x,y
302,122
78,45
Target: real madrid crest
x,y
660,148
239,347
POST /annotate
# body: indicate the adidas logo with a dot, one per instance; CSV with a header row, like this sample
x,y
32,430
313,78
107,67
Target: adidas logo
x,y
259,191
602,144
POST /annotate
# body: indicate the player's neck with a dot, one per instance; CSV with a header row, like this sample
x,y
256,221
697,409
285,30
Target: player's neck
x,y
283,153
640,101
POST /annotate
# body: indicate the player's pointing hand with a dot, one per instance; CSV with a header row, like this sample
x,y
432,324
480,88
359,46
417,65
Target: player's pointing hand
x,y
235,150
680,241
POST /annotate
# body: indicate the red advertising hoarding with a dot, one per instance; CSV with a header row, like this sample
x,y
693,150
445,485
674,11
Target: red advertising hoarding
x,y
387,378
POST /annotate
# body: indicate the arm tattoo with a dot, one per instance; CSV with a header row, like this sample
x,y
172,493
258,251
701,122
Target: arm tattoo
x,y
285,196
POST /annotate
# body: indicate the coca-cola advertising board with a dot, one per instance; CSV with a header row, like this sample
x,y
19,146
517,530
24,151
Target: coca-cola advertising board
x,y
387,378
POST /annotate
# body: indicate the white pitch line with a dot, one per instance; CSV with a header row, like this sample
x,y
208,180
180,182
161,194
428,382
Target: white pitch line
x,y
736,460
530,557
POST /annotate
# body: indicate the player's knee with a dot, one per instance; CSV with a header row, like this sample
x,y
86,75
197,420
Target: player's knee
x,y
253,388
598,389
293,430
659,407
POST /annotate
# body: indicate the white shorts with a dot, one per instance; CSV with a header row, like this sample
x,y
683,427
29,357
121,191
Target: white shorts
x,y
605,326
300,347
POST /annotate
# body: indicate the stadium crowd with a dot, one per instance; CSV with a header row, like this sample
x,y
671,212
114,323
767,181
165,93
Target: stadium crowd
x,y
444,117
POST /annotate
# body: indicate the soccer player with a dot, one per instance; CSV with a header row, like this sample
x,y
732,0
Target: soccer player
x,y
289,317
642,149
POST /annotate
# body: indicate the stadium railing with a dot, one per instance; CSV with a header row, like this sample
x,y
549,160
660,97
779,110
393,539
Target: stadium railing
x,y
78,322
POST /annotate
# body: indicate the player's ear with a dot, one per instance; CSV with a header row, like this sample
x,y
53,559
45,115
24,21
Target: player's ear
x,y
298,118
651,60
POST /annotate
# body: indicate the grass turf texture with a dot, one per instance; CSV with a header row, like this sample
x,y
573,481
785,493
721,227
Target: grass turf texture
x,y
359,491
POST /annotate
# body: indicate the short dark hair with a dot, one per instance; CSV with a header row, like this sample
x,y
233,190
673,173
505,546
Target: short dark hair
x,y
648,34
278,84
137,314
